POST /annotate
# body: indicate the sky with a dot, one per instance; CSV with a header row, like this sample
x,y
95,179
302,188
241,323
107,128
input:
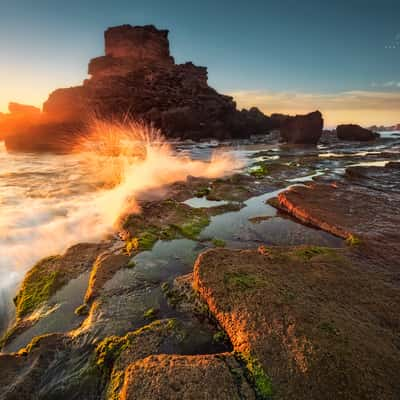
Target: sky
x,y
342,57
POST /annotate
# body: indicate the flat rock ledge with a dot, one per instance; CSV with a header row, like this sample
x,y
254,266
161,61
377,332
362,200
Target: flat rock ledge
x,y
311,321
186,377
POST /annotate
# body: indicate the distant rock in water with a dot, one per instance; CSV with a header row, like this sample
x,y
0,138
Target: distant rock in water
x,y
382,128
16,108
302,129
138,78
356,133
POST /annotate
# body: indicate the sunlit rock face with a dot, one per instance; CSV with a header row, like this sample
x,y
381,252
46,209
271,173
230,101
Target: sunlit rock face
x,y
137,78
18,118
302,129
16,108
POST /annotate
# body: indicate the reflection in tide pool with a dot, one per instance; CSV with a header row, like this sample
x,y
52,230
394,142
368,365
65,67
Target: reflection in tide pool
x,y
238,230
49,202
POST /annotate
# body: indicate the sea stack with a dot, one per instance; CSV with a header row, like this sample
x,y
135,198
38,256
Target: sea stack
x,y
137,78
302,129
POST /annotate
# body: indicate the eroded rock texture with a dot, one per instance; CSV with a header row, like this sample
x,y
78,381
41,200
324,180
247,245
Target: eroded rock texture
x,y
317,321
185,377
302,129
138,78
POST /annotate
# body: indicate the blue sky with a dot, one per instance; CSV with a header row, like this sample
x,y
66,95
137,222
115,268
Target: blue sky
x,y
284,55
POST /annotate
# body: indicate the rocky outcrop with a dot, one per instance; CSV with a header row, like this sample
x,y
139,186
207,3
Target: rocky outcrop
x,y
19,116
102,271
382,128
137,78
304,320
44,279
23,109
168,377
319,322
302,129
356,133
352,208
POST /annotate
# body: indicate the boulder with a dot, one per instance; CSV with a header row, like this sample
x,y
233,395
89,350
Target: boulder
x,y
356,133
302,129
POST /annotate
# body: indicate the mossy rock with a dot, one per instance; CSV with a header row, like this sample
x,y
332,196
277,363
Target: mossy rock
x,y
40,283
164,220
151,313
259,171
257,376
83,309
218,242
243,280
48,275
309,252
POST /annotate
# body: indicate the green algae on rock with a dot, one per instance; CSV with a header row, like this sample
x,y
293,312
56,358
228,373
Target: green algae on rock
x,y
201,377
218,242
151,313
259,171
104,268
45,279
163,220
82,310
50,274
39,284
302,320
256,375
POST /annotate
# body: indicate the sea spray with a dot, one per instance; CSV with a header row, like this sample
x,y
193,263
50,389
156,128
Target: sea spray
x,y
49,202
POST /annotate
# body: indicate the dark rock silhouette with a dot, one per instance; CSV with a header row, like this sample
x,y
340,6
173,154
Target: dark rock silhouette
x,y
382,128
302,129
355,132
138,78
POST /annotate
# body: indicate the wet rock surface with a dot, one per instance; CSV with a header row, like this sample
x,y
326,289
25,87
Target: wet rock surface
x,y
382,179
172,377
304,319
361,207
273,308
46,278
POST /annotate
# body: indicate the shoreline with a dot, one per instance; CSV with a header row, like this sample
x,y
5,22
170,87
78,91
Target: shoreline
x,y
145,297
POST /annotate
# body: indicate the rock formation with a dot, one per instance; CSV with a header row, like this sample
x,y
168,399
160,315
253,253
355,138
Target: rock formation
x,y
138,78
355,132
294,322
18,119
383,128
22,109
302,129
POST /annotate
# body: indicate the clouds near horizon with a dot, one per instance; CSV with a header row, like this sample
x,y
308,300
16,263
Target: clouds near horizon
x,y
362,107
